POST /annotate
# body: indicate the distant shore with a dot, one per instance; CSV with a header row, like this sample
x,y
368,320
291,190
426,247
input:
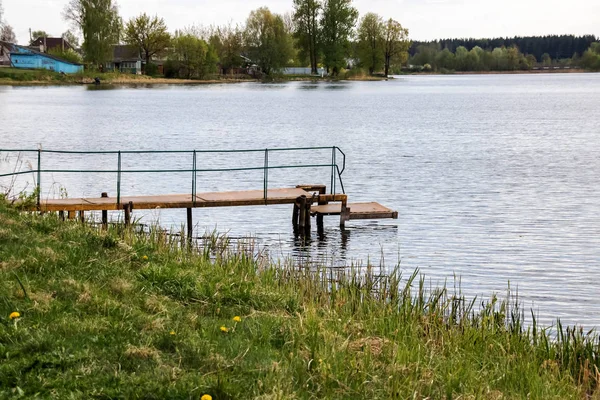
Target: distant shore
x,y
518,72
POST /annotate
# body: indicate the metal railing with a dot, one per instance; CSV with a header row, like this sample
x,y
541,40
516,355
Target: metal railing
x,y
336,172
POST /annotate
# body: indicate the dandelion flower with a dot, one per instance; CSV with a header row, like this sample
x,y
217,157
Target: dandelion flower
x,y
206,397
237,319
145,258
14,315
224,329
172,332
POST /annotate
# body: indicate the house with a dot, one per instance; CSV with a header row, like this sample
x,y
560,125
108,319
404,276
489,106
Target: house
x,y
26,58
46,44
126,59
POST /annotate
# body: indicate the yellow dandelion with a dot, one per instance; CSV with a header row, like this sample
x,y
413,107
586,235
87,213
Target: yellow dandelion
x,y
145,258
206,397
14,315
237,319
224,329
172,332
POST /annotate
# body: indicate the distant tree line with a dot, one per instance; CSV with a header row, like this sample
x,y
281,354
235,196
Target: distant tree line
x,y
557,47
314,33
431,57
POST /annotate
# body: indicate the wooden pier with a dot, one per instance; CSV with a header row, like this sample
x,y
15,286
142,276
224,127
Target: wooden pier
x,y
307,201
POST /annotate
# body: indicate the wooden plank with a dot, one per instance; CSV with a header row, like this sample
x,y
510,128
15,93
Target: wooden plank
x,y
357,210
216,199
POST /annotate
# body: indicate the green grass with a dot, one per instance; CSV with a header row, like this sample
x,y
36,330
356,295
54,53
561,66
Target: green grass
x,y
113,315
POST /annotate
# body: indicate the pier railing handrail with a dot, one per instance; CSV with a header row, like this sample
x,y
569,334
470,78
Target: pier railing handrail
x,y
335,168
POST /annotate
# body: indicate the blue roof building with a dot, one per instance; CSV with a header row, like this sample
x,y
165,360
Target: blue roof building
x,y
23,57
43,61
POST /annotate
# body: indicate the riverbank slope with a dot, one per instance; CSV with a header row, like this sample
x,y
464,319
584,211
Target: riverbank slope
x,y
121,315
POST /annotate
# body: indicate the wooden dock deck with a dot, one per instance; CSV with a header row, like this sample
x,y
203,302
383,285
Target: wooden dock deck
x,y
211,199
308,201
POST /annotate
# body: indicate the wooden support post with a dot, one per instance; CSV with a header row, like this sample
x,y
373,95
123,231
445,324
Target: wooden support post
x,y
82,216
307,216
61,215
320,224
344,214
296,214
320,227
302,217
190,226
71,214
127,208
104,214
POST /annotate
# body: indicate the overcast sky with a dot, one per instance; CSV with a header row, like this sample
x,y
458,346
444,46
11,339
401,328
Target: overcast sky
x,y
425,19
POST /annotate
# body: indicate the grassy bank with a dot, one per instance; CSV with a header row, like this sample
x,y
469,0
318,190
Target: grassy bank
x,y
15,76
122,315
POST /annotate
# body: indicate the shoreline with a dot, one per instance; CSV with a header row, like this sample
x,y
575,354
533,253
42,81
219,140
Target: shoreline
x,y
48,80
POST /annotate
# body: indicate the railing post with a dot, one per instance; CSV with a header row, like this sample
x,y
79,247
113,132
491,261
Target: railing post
x,y
194,179
119,180
332,169
39,177
266,175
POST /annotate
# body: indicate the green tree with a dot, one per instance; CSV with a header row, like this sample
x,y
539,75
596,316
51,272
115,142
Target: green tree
x,y
228,43
307,30
462,62
68,55
38,34
193,56
395,45
337,23
546,60
426,54
149,34
267,41
500,61
446,59
591,57
530,61
371,42
100,24
513,56
71,38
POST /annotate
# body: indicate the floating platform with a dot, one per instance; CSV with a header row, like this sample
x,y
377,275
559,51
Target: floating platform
x,y
370,210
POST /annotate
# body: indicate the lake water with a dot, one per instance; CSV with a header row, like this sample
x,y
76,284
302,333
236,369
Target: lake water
x,y
495,177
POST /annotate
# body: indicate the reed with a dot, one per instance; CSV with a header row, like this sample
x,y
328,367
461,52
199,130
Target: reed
x,y
125,313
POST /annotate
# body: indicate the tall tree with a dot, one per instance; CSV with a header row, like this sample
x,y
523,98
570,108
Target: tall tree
x,y
267,42
100,24
228,42
72,38
371,42
337,22
148,34
195,59
7,34
396,44
307,29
